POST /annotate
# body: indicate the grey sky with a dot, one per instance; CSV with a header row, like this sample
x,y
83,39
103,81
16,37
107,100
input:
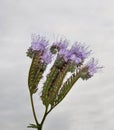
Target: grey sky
x,y
90,104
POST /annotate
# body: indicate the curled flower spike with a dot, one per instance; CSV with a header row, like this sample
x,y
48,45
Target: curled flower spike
x,y
57,46
90,69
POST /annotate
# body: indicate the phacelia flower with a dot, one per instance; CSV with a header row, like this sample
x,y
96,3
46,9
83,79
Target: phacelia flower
x,y
75,58
46,57
79,52
38,43
63,53
90,69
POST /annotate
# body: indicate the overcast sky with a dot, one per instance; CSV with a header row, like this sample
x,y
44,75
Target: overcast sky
x,y
90,104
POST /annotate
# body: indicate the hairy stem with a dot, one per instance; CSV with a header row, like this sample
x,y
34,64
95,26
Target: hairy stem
x,y
34,114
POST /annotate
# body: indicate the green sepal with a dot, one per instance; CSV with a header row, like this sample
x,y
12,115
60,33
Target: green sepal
x,y
72,67
59,63
30,53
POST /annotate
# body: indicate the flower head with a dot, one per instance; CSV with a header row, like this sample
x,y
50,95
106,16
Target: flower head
x,y
90,69
79,52
63,53
38,43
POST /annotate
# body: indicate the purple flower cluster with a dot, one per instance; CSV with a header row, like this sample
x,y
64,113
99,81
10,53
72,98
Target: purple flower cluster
x,y
92,66
90,69
78,52
38,43
75,55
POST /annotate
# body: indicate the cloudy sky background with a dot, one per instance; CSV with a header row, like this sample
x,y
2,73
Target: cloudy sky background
x,y
90,104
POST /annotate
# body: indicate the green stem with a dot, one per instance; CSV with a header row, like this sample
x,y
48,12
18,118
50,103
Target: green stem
x,y
34,114
44,117
39,125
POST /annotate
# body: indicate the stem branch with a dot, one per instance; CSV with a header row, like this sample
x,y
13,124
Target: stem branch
x,y
45,115
34,114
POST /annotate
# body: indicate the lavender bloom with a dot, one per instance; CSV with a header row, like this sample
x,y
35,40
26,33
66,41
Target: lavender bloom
x,y
38,43
64,54
57,46
79,52
76,59
46,57
76,54
90,69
